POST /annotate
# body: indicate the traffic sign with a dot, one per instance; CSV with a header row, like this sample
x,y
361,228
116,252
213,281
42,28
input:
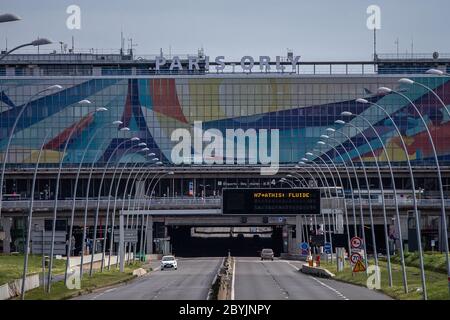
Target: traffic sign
x,y
355,257
304,247
327,247
356,243
129,235
359,267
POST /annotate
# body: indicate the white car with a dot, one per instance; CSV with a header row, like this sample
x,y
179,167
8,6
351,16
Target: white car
x,y
169,262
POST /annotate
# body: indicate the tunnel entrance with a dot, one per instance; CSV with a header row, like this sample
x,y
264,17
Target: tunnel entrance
x,y
190,241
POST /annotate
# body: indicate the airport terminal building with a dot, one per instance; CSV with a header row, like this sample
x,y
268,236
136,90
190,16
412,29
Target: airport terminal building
x,y
152,99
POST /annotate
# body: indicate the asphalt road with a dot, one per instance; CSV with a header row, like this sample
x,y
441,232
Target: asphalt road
x,y
280,280
191,281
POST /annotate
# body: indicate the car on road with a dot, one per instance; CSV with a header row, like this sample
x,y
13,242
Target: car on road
x,y
169,262
267,254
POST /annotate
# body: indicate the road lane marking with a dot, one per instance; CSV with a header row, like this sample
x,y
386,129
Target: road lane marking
x,y
323,284
293,266
284,291
331,288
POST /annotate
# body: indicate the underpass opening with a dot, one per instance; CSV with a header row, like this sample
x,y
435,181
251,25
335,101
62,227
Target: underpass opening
x,y
194,241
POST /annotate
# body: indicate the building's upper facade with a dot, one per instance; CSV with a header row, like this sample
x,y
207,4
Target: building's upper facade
x,y
154,104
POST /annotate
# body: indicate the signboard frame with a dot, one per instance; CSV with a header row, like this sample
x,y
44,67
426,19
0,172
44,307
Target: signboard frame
x,y
271,201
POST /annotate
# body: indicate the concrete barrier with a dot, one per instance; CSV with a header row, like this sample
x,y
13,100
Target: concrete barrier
x,y
14,288
316,271
139,272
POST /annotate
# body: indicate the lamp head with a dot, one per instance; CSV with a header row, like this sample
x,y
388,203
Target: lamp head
x,y
304,159
361,100
346,114
40,42
117,122
8,17
142,144
324,136
339,122
309,154
135,139
101,109
125,129
435,72
321,143
384,90
84,101
145,149
406,81
330,130
151,154
54,87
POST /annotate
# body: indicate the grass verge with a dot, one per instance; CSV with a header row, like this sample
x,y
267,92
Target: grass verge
x,y
436,281
59,291
11,266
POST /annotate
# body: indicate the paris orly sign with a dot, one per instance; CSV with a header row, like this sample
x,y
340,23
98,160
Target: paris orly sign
x,y
246,63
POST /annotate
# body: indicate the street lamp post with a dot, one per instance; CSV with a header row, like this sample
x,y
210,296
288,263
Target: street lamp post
x,y
438,169
368,192
97,211
397,211
355,229
30,217
413,186
330,225
55,203
86,206
115,206
105,228
110,192
342,185
35,43
383,196
444,233
72,215
327,187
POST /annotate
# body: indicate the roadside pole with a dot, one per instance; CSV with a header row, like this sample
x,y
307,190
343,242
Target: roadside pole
x,y
121,243
340,252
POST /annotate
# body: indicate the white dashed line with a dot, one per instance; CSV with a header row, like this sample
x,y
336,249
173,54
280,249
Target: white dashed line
x,y
331,288
323,284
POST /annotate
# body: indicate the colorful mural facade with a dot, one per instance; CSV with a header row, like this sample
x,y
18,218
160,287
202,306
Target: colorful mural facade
x,y
301,108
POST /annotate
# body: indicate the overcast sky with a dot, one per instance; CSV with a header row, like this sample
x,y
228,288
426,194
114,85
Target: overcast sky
x,y
315,30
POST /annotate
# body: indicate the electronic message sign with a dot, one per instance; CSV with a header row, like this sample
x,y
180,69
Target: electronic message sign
x,y
271,201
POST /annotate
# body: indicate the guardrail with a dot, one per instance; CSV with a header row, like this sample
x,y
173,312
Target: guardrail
x,y
181,202
128,204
